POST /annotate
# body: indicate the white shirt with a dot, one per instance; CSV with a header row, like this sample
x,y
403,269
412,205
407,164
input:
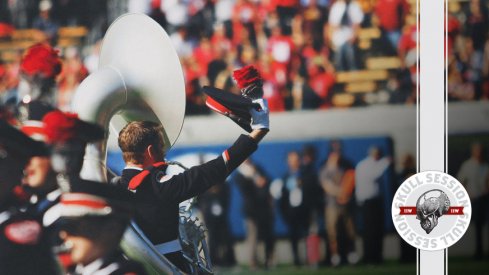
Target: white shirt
x,y
139,6
474,175
341,34
224,10
176,11
366,175
183,48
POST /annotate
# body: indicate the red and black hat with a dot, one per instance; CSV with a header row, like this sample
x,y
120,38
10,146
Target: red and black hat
x,y
33,125
15,143
60,127
92,199
234,106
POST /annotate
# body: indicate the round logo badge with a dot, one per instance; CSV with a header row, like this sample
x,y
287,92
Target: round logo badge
x,y
431,210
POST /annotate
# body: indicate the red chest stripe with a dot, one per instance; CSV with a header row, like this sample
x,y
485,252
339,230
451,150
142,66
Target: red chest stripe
x,y
139,178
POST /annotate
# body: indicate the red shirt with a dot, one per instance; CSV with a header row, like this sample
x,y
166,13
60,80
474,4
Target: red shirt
x,y
204,55
322,83
273,96
388,13
286,3
452,30
408,39
280,47
6,29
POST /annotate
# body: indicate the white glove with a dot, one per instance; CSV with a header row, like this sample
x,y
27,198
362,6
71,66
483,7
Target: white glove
x,y
260,119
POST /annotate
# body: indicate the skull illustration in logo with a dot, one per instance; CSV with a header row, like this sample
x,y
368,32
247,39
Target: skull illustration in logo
x,y
430,206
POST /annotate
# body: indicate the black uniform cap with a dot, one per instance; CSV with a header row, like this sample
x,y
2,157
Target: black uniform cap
x,y
92,199
15,143
233,106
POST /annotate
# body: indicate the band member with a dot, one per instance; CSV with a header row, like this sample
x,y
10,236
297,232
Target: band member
x,y
39,179
68,137
158,195
39,68
24,248
92,219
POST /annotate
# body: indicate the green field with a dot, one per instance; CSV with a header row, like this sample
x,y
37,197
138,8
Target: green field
x,y
456,266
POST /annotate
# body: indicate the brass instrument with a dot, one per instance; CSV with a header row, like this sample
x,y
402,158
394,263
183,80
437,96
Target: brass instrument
x,y
139,78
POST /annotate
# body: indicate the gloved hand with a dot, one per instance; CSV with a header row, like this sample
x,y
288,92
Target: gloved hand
x,y
260,118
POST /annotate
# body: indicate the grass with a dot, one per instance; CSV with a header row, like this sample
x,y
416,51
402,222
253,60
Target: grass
x,y
465,266
387,268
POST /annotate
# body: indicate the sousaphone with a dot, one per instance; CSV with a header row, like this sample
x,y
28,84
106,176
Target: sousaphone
x,y
139,78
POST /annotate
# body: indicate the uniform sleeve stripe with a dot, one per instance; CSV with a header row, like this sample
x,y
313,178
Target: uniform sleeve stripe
x,y
225,156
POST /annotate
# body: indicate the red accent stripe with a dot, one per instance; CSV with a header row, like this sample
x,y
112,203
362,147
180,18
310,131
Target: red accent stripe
x,y
65,260
408,210
226,154
33,130
216,106
455,210
137,180
88,203
411,210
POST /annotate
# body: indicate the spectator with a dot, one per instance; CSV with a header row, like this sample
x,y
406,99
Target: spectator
x,y
223,10
286,10
219,39
344,22
204,53
214,205
313,193
322,79
477,24
181,42
391,15
314,205
408,252
303,96
258,211
368,184
244,18
293,203
407,49
280,47
459,88
176,13
71,76
485,73
474,175
44,22
314,17
337,180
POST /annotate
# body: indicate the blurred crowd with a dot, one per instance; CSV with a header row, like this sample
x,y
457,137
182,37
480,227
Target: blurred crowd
x,y
468,50
329,204
334,200
300,46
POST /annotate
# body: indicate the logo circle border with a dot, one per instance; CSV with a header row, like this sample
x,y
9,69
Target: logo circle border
x,y
395,210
